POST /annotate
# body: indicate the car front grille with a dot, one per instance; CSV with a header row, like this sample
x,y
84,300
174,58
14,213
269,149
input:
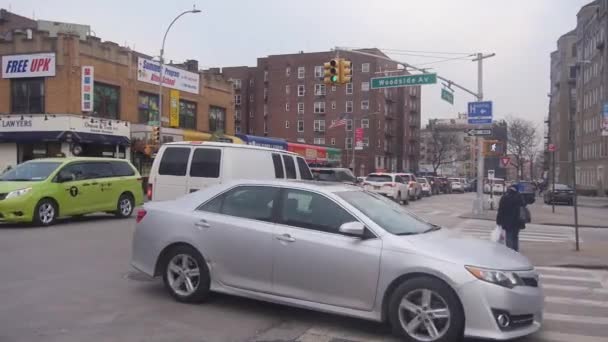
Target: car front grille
x,y
2,196
521,321
533,282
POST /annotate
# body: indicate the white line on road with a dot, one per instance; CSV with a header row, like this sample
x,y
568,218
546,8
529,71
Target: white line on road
x,y
575,301
564,269
561,337
574,288
576,319
561,277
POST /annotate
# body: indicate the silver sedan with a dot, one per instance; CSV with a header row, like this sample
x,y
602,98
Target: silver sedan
x,y
339,249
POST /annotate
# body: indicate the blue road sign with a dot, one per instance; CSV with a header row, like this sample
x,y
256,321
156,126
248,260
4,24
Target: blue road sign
x,y
480,109
480,121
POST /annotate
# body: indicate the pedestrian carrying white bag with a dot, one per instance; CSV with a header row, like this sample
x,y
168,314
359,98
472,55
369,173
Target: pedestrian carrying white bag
x,y
498,235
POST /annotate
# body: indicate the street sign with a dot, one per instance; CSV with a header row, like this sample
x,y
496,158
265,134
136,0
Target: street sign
x,y
479,132
504,161
552,148
447,96
473,121
491,174
480,109
403,81
359,139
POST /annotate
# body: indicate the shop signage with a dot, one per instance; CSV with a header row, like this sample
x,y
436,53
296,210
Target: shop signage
x,y
605,120
359,139
87,88
34,65
149,71
174,108
62,123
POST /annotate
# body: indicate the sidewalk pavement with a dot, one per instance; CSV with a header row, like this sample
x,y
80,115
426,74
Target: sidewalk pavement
x,y
592,255
593,202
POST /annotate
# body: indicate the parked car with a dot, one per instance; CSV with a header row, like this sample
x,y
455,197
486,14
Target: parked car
x,y
562,194
444,185
389,185
497,186
42,190
337,249
187,166
334,174
426,186
434,184
414,188
457,186
468,185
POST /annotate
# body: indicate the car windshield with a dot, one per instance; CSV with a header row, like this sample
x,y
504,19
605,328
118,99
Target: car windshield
x,y
334,175
406,178
379,178
387,214
31,171
422,181
561,187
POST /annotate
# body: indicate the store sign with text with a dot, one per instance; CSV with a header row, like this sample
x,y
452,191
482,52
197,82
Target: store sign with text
x,y
61,123
87,88
34,65
174,108
359,139
149,71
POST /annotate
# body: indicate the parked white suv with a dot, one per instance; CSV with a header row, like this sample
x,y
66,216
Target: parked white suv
x,y
414,189
186,166
388,184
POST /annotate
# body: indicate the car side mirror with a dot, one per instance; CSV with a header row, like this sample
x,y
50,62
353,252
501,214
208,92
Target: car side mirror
x,y
353,228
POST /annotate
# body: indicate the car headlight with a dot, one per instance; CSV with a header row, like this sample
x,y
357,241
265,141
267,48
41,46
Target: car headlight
x,y
502,278
17,193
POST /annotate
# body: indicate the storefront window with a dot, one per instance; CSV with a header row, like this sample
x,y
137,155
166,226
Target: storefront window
x,y
27,95
106,101
217,119
187,114
148,109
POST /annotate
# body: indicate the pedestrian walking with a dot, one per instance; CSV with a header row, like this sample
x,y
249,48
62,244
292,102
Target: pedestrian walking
x,y
509,216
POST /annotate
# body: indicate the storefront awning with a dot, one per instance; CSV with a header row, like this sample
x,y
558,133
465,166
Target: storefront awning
x,y
63,136
203,136
105,139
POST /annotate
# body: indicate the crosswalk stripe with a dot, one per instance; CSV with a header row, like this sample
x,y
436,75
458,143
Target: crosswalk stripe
x,y
574,288
561,337
562,269
524,237
562,277
488,231
576,301
576,319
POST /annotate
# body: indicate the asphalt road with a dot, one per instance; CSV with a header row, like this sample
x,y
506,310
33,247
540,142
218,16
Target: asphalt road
x,y
73,282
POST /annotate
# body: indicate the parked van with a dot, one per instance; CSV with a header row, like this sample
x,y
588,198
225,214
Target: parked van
x,y
187,166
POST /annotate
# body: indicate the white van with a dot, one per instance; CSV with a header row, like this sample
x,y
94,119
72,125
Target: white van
x,y
187,166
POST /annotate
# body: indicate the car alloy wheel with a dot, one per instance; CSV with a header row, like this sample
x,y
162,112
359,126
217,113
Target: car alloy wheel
x,y
46,213
183,275
424,315
126,207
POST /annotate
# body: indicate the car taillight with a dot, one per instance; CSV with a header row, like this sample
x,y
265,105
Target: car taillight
x,y
141,213
149,192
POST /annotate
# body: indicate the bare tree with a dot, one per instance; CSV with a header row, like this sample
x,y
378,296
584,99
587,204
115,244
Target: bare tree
x,y
522,142
443,147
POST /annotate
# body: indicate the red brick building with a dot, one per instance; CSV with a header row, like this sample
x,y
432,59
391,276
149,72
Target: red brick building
x,y
283,96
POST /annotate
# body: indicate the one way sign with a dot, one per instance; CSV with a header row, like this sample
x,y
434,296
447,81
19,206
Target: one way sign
x,y
479,132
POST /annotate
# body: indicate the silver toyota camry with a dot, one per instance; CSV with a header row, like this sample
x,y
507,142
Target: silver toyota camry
x,y
339,249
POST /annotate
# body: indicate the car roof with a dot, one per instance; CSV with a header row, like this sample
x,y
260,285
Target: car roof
x,y
70,159
229,145
299,184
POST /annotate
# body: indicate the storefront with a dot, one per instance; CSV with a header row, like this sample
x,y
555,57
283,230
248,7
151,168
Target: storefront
x,y
263,141
26,137
317,155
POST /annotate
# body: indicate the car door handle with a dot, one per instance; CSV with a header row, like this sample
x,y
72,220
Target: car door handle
x,y
202,224
286,238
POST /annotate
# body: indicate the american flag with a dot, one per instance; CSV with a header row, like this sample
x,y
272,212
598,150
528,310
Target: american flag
x,y
339,122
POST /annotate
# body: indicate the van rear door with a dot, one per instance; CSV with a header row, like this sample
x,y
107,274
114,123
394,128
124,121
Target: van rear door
x,y
170,180
205,168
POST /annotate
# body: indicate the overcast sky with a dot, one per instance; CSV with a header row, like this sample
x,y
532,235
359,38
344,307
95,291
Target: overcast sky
x,y
522,33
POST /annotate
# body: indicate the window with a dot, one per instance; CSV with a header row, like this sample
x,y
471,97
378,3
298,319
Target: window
x,y
265,75
174,161
287,106
365,104
301,72
279,172
366,142
265,93
287,71
319,107
265,127
319,141
187,114
312,211
237,114
333,104
300,125
349,143
305,173
265,109
349,106
251,114
333,141
122,169
148,109
94,170
217,119
365,67
301,90
364,86
27,95
237,128
318,71
237,99
106,100
333,88
251,82
364,123
287,89
251,98
349,88
206,163
349,125
236,84
286,124
300,107
320,89
249,202
290,167
319,125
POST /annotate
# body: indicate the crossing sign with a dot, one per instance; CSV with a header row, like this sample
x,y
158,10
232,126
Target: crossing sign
x,y
504,161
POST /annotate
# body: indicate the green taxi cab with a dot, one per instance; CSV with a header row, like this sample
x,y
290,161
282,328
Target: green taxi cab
x,y
42,190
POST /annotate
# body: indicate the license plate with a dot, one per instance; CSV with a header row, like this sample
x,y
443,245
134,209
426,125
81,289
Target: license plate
x,y
376,188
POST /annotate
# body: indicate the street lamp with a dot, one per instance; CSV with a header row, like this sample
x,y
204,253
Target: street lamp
x,y
162,61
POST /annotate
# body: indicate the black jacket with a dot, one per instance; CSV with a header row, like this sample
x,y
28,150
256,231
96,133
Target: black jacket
x,y
508,211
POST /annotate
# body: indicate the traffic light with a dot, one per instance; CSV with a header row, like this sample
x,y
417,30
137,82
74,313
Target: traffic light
x,y
493,148
331,70
156,135
346,71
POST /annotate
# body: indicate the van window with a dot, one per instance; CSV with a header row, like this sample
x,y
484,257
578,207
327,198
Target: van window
x,y
206,163
95,170
122,169
290,167
174,161
279,172
304,170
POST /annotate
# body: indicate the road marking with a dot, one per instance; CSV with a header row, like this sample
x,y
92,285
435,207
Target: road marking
x,y
576,319
561,337
563,269
562,277
576,301
574,288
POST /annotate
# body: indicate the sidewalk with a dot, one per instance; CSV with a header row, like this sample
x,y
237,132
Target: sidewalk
x,y
593,202
592,255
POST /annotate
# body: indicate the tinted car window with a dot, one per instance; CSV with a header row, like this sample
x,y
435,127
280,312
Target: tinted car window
x,y
560,187
122,169
398,179
213,206
279,172
174,161
406,178
73,171
379,178
206,163
252,202
290,167
95,170
304,170
310,210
